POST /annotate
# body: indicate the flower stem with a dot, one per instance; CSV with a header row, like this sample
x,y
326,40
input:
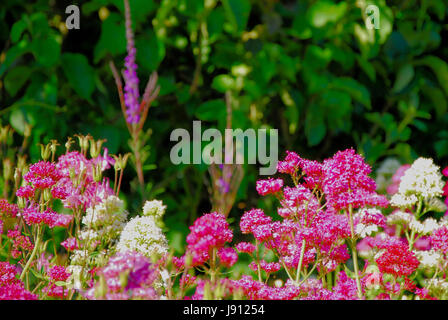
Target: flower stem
x,y
354,252
299,267
33,254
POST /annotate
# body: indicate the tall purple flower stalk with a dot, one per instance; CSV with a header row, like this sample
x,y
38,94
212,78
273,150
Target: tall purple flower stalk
x,y
131,91
135,110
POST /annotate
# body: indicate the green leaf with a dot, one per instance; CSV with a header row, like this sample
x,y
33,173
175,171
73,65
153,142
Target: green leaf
x,y
437,98
439,67
356,90
79,73
150,51
404,77
223,83
16,78
315,129
367,67
47,49
323,12
237,13
14,53
112,39
17,120
211,110
17,29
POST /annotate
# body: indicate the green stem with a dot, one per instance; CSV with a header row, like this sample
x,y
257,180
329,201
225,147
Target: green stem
x,y
354,252
30,260
299,267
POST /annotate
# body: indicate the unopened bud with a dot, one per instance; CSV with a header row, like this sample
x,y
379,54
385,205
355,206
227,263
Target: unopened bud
x,y
69,143
95,147
45,151
54,145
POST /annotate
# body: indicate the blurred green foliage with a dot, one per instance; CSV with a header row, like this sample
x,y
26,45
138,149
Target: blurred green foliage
x,y
312,69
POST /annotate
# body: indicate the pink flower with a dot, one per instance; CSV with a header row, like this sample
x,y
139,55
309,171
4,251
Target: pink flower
x,y
42,175
346,288
347,182
70,244
26,192
269,186
397,260
439,240
7,209
208,232
373,280
290,165
11,288
58,273
246,247
270,267
55,291
253,218
20,243
138,272
227,256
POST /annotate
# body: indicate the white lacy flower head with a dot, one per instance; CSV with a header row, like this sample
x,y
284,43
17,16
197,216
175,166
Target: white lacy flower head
x,y
75,276
154,208
423,179
429,225
107,213
79,257
399,217
402,201
364,230
428,259
142,234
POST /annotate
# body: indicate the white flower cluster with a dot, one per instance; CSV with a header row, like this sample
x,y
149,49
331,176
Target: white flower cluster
x,y
154,208
425,227
106,218
437,287
143,234
423,179
400,217
428,259
364,230
102,224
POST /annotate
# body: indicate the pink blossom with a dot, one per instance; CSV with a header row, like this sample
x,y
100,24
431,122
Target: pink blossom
x,y
246,247
70,244
253,218
269,186
227,256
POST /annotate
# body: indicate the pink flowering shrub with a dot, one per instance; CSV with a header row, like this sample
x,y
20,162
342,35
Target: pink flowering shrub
x,y
331,236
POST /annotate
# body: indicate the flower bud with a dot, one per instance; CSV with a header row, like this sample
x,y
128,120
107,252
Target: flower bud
x,y
45,151
53,147
95,147
68,144
83,142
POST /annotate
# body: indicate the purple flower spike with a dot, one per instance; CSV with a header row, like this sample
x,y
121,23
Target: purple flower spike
x,y
131,91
